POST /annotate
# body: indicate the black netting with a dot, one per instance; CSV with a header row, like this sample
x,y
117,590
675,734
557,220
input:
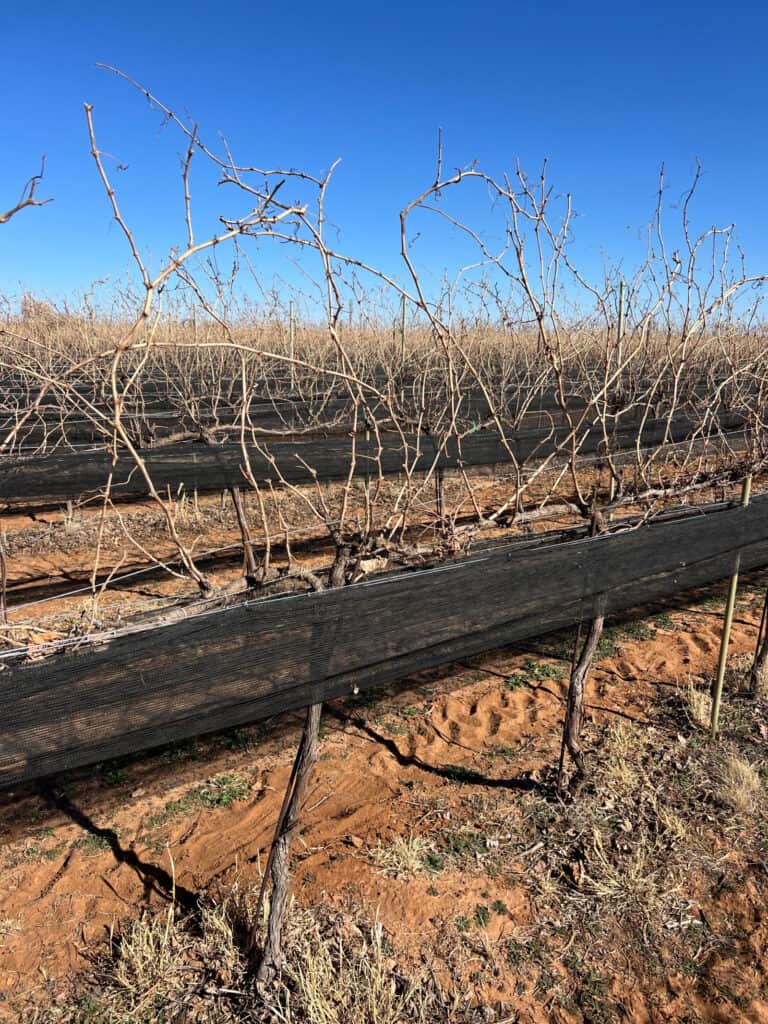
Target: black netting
x,y
66,475
237,665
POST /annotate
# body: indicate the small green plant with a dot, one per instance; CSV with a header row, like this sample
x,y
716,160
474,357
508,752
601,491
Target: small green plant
x,y
88,1011
638,630
664,621
517,681
223,790
505,751
173,810
482,915
395,728
409,711
609,642
220,791
592,999
434,862
238,739
539,671
187,750
500,907
516,953
93,843
53,852
114,776
458,844
42,832
462,923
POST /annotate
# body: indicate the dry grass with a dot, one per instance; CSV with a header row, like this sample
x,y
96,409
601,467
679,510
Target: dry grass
x,y
698,706
630,864
739,785
737,673
402,857
8,925
621,767
673,824
619,858
156,962
163,968
146,970
345,978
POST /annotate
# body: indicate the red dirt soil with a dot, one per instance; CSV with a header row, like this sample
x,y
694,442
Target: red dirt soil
x,y
385,770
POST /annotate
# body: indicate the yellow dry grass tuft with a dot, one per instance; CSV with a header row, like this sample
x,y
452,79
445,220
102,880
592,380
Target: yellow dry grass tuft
x,y
403,857
698,706
341,979
740,787
623,752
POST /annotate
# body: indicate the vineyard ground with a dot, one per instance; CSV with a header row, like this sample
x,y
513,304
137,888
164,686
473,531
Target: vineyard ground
x,y
432,809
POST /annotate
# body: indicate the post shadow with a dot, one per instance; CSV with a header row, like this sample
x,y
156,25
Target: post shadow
x,y
153,877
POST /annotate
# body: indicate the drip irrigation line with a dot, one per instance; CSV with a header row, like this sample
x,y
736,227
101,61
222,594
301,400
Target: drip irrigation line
x,y
112,581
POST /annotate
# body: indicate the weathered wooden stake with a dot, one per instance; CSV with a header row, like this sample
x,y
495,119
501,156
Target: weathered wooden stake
x,y
3,582
620,328
402,330
277,869
402,350
758,676
292,343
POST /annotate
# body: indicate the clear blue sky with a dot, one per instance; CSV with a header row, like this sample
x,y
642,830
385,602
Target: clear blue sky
x,y
605,91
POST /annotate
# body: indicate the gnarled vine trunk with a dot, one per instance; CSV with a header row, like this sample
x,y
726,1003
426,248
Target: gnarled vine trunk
x,y
278,866
277,869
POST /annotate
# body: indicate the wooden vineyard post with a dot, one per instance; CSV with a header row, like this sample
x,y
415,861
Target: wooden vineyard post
x,y
292,344
402,350
250,569
3,582
367,483
611,492
620,328
402,330
759,671
717,693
